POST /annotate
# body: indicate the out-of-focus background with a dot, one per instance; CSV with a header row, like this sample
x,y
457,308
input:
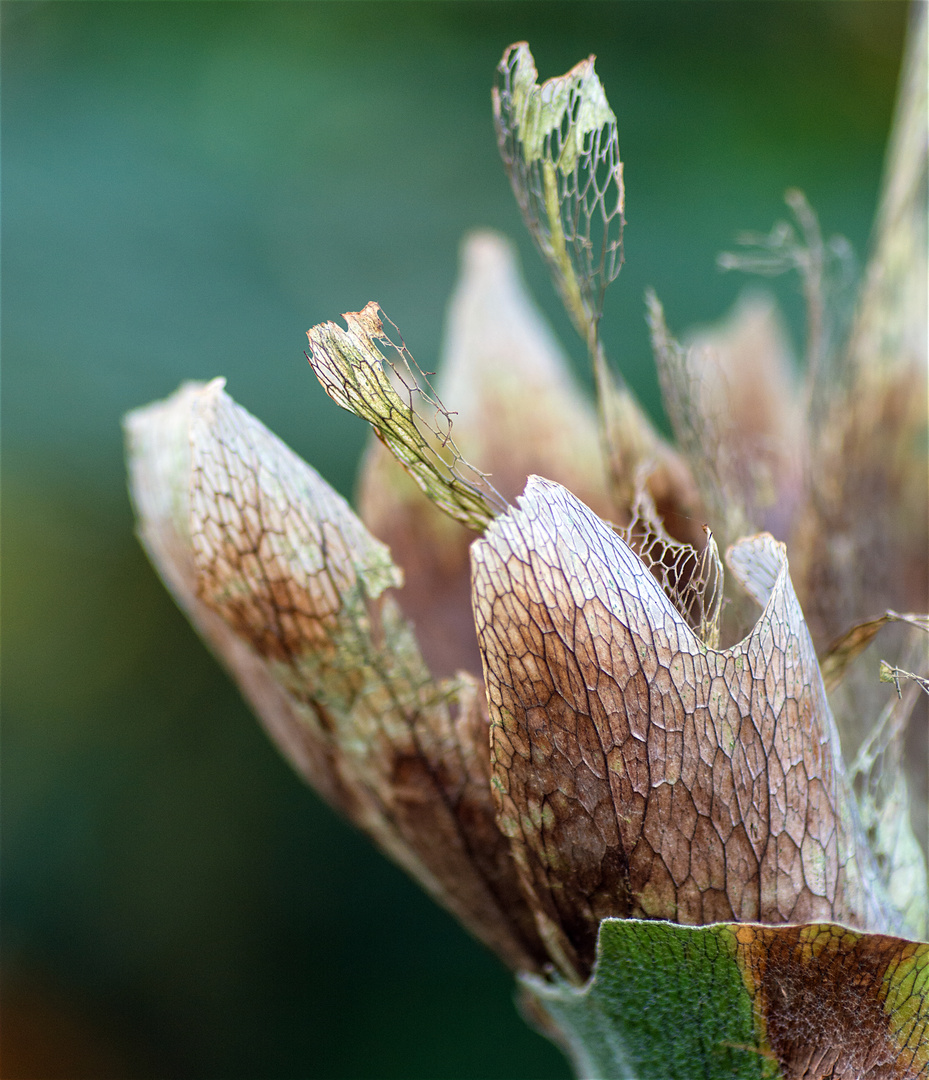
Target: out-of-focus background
x,y
187,187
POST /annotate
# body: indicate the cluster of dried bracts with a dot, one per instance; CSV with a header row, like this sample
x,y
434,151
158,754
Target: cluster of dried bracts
x,y
624,737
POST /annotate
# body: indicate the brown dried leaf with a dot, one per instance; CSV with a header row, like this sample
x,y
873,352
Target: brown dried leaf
x,y
835,1003
640,773
293,594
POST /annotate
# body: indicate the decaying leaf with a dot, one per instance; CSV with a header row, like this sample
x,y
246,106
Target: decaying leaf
x,y
640,773
295,597
350,365
517,411
560,148
627,798
692,580
745,1002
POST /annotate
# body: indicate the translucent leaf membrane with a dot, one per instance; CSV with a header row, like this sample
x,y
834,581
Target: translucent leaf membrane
x,y
692,581
560,147
404,411
745,1002
639,773
296,598
518,411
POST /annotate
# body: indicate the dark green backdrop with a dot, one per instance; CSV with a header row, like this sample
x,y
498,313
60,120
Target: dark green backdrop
x,y
186,189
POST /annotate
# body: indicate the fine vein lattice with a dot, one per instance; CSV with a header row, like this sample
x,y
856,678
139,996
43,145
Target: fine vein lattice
x,y
560,147
696,785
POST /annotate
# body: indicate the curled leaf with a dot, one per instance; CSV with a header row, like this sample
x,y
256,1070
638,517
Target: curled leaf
x,y
295,596
640,773
350,366
517,411
692,581
560,148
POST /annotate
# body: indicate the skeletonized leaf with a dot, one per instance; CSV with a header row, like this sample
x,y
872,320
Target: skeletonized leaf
x,y
692,580
640,773
295,596
517,411
560,147
350,366
745,1002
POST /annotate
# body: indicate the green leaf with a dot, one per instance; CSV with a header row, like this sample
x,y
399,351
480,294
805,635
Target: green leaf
x,y
744,1002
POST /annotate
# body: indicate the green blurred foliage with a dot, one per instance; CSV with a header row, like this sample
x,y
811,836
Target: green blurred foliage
x,y
186,189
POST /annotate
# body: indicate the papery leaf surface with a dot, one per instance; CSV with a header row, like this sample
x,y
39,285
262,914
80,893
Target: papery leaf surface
x,y
350,363
560,147
517,411
742,1001
295,596
637,771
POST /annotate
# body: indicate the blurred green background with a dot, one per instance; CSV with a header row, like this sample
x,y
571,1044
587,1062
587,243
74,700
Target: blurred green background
x,y
186,189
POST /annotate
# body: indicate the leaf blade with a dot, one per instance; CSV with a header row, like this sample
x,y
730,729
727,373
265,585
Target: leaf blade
x,y
745,1001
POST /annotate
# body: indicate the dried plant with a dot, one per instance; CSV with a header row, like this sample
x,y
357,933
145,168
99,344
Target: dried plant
x,y
654,830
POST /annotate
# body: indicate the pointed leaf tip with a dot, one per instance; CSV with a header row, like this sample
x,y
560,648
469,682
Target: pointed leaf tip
x,y
350,366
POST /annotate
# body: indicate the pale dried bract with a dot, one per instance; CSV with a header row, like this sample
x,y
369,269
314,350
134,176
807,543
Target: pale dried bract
x,y
639,772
